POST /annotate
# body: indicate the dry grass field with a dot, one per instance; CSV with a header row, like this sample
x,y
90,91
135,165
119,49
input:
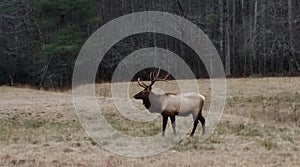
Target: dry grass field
x,y
260,126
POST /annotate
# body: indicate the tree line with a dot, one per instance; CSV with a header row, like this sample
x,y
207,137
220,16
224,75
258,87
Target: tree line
x,y
40,39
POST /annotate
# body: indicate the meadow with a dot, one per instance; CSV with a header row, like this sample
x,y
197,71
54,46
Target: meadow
x,y
260,126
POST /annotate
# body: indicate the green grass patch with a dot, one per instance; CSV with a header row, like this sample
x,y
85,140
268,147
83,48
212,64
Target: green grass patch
x,y
250,130
133,128
34,131
269,144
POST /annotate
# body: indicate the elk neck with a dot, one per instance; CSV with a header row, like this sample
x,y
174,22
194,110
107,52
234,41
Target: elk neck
x,y
155,101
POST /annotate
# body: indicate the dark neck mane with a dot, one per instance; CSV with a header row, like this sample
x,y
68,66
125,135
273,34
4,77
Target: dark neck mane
x,y
147,103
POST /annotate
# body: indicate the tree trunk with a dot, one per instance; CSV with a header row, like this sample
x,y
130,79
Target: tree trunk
x,y
228,50
234,57
45,73
264,71
254,59
291,35
11,79
245,37
221,28
227,59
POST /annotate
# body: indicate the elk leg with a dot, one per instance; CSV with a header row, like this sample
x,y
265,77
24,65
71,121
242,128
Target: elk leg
x,y
195,126
165,121
173,124
202,120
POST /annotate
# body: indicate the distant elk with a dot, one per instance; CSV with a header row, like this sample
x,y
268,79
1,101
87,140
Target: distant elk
x,y
170,104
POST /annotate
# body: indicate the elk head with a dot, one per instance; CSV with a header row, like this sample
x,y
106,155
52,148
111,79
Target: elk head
x,y
144,94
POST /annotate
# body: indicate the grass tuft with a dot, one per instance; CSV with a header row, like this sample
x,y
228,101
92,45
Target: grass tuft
x,y
269,144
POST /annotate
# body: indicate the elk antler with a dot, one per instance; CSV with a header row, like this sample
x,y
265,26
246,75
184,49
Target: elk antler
x,y
153,79
142,84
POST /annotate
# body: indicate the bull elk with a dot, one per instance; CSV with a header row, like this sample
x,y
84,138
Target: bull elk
x,y
170,105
